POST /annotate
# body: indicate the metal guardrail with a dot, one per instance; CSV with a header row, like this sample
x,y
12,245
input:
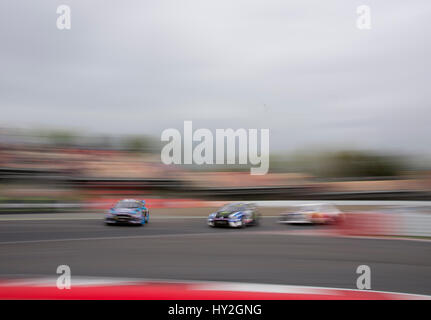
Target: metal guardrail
x,y
40,205
284,203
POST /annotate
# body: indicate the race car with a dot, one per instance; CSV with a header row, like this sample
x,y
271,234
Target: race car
x,y
237,215
128,211
315,213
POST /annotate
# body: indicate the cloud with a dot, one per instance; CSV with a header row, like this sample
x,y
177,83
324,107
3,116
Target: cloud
x,y
300,68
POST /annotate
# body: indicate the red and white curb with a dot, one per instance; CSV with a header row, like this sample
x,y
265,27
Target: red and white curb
x,y
130,289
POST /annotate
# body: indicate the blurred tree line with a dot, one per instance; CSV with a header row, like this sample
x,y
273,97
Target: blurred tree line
x,y
340,164
132,143
319,163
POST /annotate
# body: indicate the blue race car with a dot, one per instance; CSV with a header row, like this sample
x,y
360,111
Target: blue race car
x,y
236,215
128,211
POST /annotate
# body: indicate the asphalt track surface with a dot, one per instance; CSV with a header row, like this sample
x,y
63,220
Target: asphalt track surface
x,y
185,248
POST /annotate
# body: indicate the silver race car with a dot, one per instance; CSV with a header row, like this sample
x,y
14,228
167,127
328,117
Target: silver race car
x,y
315,213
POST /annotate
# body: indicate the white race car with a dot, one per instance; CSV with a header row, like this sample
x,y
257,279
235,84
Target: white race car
x,y
315,213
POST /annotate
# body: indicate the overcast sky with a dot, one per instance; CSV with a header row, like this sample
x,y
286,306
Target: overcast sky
x,y
300,68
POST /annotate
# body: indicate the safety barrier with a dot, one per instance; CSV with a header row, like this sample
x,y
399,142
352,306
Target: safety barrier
x,y
406,224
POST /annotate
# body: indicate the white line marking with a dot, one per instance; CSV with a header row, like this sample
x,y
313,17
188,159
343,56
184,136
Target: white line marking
x,y
149,236
328,233
232,232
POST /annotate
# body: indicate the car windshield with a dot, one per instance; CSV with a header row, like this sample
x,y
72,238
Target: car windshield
x,y
127,204
233,207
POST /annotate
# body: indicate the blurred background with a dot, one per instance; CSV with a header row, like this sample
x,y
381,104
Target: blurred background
x,y
56,170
